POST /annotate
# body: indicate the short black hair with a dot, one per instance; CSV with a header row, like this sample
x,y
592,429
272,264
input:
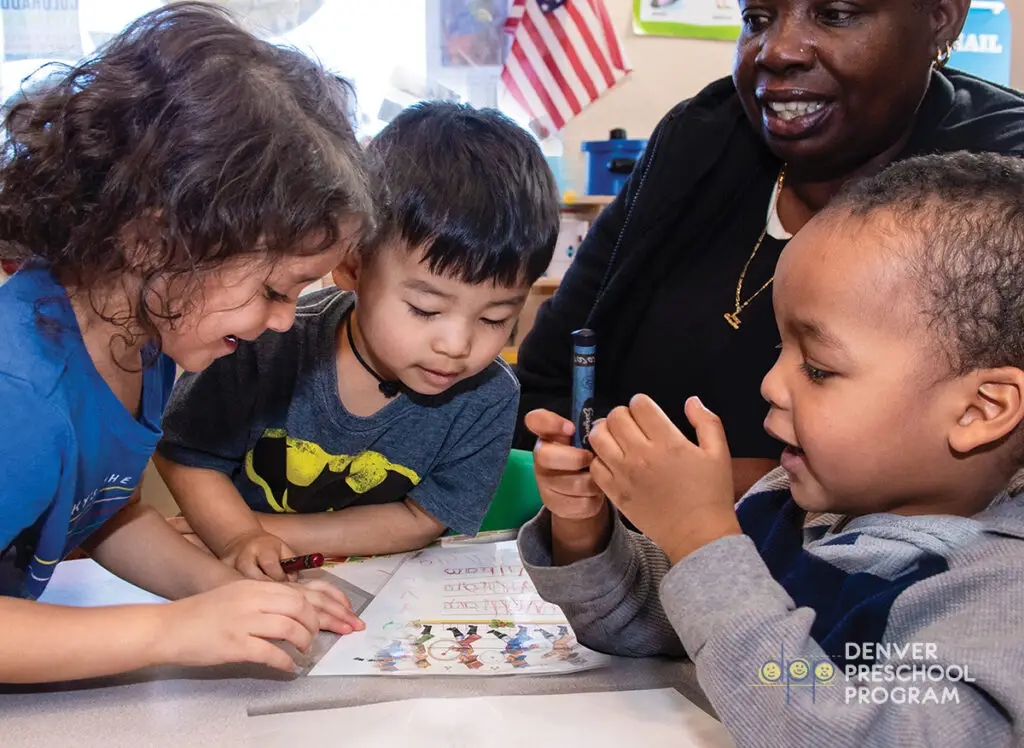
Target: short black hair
x,y
966,211
470,186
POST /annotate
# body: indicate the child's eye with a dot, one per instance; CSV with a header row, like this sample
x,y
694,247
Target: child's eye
x,y
817,376
421,313
498,323
275,296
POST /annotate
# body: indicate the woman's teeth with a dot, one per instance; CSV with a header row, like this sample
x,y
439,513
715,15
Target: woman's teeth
x,y
787,110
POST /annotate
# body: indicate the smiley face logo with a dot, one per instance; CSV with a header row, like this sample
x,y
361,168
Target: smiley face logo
x,y
771,672
824,672
799,669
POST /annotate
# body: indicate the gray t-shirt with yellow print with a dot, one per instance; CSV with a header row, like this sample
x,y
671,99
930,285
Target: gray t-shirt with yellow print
x,y
270,418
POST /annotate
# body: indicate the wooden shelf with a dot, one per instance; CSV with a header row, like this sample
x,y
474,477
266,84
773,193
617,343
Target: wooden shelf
x,y
586,202
546,284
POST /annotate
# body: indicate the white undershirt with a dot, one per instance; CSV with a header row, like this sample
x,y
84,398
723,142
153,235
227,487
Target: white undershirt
x,y
775,228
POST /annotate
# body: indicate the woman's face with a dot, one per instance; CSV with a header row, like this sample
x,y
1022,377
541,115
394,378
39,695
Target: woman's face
x,y
831,84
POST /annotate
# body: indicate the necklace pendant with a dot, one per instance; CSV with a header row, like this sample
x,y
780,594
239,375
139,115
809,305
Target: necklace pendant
x,y
733,320
389,388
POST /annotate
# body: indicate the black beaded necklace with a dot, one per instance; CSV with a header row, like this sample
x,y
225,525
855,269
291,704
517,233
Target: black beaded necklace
x,y
388,387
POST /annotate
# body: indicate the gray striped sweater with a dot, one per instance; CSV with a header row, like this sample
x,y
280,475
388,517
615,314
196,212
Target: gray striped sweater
x,y
891,631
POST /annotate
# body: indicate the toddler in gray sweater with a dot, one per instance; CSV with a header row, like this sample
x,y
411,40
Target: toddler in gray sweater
x,y
869,592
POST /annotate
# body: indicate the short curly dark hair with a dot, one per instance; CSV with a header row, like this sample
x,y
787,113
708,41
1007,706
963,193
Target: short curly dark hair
x,y
965,213
227,144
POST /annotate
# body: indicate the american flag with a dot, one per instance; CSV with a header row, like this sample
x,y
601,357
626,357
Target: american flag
x,y
564,55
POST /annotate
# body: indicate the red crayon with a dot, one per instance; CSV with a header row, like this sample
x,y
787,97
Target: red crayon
x,y
298,563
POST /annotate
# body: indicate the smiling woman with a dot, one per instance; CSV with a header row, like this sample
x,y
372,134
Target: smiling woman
x,y
675,276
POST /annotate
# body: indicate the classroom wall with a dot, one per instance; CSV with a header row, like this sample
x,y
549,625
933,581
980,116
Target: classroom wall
x,y
665,71
1017,55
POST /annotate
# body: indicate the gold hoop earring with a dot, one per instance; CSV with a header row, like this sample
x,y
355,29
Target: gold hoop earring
x,y
942,55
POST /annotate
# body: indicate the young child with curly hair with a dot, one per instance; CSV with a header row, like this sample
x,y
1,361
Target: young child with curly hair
x,y
167,198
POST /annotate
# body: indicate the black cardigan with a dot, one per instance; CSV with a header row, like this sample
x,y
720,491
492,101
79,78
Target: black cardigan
x,y
696,157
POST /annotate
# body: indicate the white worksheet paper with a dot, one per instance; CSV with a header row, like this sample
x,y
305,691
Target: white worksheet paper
x,y
460,610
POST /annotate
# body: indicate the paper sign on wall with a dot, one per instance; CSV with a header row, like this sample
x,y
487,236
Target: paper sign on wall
x,y
983,49
699,19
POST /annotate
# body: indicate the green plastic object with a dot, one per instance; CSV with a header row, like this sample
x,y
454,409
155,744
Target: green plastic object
x,y
517,499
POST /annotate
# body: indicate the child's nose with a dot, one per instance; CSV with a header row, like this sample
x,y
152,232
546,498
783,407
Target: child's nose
x,y
772,388
282,316
454,341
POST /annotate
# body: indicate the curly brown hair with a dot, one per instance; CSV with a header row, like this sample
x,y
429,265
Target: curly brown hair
x,y
220,143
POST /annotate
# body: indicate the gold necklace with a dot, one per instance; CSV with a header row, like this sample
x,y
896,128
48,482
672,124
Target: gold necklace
x,y
733,317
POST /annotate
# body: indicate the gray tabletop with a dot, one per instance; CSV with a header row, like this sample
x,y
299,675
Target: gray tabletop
x,y
181,708
184,707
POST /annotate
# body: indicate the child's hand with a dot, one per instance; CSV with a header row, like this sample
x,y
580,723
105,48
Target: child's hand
x,y
566,488
331,605
233,623
677,493
257,554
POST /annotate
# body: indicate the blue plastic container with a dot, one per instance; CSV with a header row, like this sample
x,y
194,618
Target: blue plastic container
x,y
610,162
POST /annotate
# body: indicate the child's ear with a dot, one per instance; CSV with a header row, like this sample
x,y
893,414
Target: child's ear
x,y
141,242
993,407
346,275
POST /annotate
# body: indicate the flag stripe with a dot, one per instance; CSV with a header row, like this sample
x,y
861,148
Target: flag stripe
x,y
538,88
513,88
614,52
565,42
540,44
537,66
594,74
564,55
588,38
530,101
515,13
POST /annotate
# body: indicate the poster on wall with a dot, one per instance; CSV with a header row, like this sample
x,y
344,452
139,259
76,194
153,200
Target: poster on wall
x,y
694,19
45,29
272,17
983,48
472,33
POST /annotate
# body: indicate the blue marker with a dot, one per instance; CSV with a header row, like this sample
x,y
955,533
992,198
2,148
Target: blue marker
x,y
584,348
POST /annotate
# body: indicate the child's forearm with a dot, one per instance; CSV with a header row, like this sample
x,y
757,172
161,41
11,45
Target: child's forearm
x,y
356,531
610,597
138,545
210,502
573,540
52,642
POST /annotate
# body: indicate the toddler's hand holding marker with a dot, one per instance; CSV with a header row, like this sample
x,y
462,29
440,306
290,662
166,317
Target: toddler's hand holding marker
x,y
580,513
584,359
298,563
257,555
679,494
566,486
